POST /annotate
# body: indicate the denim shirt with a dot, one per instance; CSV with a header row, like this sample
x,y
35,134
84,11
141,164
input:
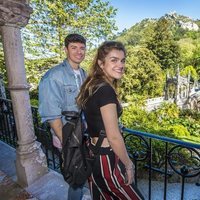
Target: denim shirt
x,y
57,91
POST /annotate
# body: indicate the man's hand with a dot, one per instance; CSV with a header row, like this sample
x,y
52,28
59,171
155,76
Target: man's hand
x,y
57,126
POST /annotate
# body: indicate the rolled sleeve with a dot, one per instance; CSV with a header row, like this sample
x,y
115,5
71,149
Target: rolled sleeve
x,y
50,99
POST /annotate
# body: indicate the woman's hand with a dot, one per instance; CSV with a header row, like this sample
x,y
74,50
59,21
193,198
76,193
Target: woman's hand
x,y
129,176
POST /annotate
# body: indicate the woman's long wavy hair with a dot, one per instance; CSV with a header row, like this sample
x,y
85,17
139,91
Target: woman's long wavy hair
x,y
96,74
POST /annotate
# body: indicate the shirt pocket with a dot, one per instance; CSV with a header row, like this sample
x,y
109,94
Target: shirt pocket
x,y
70,94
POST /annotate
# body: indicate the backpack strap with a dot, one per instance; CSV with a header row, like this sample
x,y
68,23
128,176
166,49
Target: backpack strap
x,y
102,135
96,150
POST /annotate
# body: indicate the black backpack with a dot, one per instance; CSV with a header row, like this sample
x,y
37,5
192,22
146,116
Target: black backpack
x,y
78,159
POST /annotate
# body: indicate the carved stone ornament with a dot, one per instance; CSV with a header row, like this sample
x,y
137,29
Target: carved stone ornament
x,y
14,12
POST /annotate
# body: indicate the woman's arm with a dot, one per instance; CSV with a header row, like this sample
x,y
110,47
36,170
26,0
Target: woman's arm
x,y
116,141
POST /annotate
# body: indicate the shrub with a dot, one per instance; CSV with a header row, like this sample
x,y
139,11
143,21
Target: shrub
x,y
179,130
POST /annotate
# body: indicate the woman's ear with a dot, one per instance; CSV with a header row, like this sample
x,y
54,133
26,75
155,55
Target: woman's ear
x,y
100,63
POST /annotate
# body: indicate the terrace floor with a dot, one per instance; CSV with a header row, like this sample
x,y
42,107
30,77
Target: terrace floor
x,y
53,187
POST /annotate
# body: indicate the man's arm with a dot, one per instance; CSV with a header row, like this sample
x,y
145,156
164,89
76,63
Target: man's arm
x,y
57,126
50,99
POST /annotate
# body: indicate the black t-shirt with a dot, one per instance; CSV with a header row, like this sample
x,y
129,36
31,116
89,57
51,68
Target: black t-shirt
x,y
103,96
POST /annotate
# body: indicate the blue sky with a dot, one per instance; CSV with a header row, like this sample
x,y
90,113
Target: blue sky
x,y
133,11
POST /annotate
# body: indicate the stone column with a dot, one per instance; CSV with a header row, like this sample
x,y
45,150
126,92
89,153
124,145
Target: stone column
x,y
30,159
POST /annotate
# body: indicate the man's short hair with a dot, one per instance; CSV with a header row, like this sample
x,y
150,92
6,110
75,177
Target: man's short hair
x,y
74,37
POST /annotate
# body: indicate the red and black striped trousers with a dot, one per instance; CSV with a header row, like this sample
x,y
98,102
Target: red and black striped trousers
x,y
108,179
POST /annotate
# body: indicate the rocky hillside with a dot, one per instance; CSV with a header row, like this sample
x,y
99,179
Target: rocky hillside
x,y
181,27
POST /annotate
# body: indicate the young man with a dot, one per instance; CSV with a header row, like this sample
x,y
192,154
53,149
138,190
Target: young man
x,y
58,90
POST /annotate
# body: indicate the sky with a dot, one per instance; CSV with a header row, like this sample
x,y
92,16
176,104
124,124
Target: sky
x,y
133,11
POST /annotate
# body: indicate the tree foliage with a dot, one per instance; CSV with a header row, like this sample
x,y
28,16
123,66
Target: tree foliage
x,y
195,61
164,46
2,62
168,120
142,74
35,69
189,70
187,48
51,21
139,34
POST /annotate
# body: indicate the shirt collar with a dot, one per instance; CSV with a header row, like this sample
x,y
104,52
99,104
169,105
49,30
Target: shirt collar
x,y
68,67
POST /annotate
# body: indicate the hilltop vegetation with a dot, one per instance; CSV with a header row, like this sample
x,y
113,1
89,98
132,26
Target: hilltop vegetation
x,y
158,46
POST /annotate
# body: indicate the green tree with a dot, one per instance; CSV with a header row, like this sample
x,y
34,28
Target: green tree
x,y
51,21
187,48
164,46
189,69
35,69
143,73
196,58
138,34
167,111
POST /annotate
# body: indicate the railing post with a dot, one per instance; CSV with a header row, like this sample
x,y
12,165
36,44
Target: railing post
x,y
166,158
135,156
150,166
184,172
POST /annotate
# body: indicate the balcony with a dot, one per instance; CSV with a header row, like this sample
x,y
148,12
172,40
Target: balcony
x,y
165,168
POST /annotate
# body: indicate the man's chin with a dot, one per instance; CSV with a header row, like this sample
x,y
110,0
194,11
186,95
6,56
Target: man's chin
x,y
78,61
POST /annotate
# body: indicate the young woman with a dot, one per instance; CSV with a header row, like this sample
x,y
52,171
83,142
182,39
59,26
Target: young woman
x,y
113,173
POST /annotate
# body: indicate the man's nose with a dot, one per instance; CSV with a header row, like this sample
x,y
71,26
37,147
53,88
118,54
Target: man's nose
x,y
79,50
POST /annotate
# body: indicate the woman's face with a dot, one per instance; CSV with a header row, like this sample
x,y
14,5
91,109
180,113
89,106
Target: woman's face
x,y
114,64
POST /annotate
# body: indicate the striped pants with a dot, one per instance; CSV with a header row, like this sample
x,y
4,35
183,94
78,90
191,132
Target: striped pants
x,y
108,179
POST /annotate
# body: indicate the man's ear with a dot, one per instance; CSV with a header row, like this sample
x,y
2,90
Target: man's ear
x,y
100,63
65,49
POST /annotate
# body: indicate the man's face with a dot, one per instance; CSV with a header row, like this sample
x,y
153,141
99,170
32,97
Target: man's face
x,y
75,53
